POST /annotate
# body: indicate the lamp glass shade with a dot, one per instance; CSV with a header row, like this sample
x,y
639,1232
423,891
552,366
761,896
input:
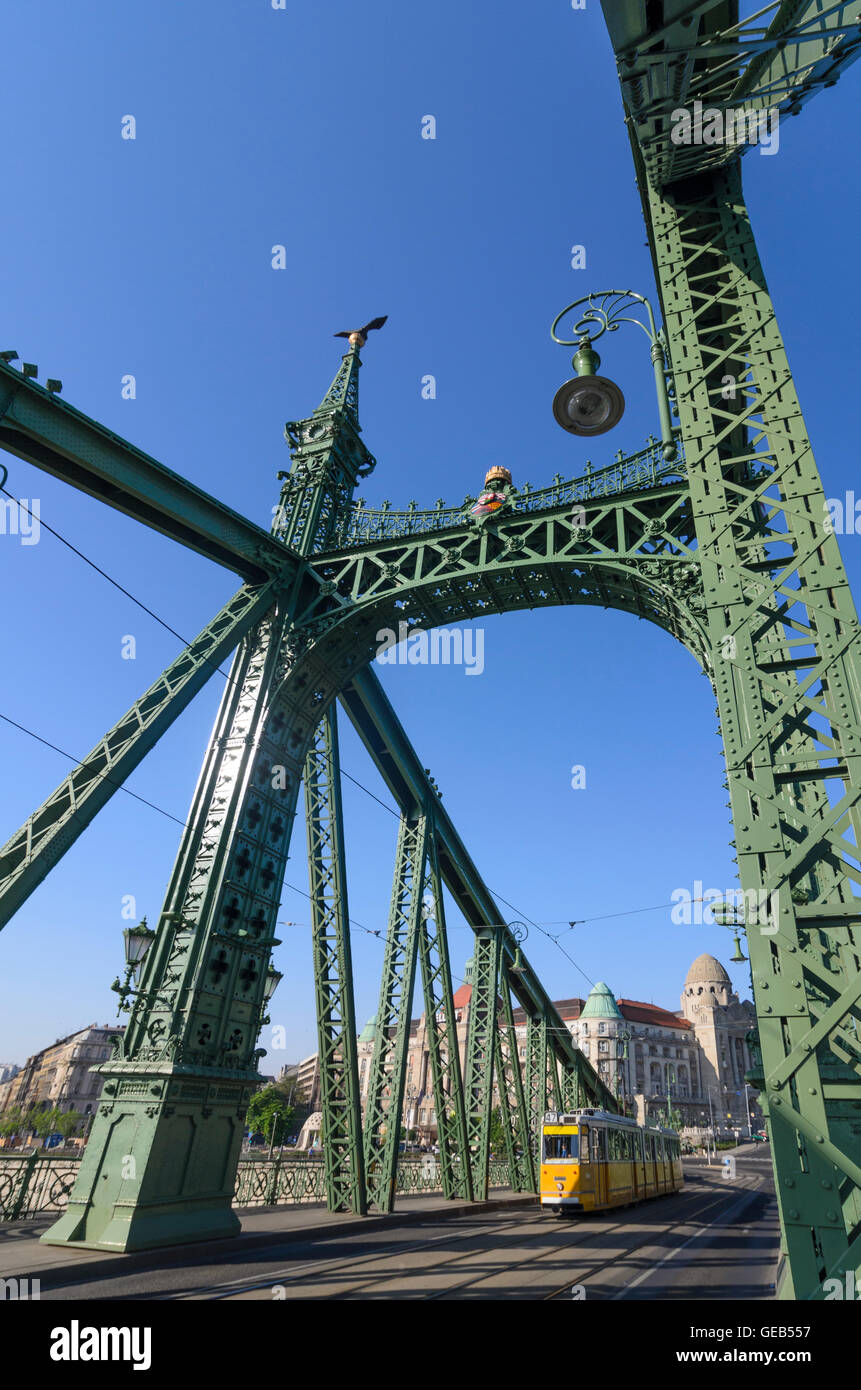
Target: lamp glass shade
x,y
137,942
588,405
271,983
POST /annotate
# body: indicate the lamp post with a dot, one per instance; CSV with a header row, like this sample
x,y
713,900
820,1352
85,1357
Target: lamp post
x,y
137,941
727,915
590,404
674,1082
622,1040
410,1096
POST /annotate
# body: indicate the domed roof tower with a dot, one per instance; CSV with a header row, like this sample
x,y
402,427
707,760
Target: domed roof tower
x,y
601,1003
707,982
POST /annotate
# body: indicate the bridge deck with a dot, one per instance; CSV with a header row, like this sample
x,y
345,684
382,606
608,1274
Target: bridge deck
x,y
714,1240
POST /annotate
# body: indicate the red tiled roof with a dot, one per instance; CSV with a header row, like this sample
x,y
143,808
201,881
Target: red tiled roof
x,y
653,1014
635,1010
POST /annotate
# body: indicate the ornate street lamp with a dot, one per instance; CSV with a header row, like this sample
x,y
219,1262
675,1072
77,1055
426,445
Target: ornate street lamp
x,y
589,404
137,942
270,984
519,931
726,915
670,1084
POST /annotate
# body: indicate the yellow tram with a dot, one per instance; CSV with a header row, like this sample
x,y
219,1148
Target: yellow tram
x,y
593,1161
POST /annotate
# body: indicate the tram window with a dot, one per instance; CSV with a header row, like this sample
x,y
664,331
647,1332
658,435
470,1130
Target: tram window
x,y
599,1148
558,1146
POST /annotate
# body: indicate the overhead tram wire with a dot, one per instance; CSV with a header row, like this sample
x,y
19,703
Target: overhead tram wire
x,y
115,582
102,775
292,886
184,824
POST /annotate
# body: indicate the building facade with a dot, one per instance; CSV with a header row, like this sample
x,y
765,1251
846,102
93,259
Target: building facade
x,y
60,1075
692,1062
305,1076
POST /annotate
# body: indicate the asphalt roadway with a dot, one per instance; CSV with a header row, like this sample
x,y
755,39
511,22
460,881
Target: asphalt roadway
x,y
716,1239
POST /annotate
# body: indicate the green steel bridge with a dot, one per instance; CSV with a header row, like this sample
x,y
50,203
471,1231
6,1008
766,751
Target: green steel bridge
x,y
720,539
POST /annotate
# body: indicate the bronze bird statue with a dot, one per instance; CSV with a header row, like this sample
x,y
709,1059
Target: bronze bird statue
x,y
359,335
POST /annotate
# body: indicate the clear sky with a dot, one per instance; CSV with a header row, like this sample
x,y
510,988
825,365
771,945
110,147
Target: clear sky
x,y
257,127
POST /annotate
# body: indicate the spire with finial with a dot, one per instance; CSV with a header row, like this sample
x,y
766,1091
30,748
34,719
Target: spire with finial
x,y
329,458
343,394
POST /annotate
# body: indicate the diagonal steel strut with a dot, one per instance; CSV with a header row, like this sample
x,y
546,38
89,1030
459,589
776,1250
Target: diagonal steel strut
x,y
43,839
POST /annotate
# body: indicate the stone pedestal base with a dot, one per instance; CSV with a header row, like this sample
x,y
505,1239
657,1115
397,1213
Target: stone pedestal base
x,y
160,1164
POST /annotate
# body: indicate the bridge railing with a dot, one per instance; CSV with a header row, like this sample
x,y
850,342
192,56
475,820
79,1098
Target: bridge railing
x,y
629,472
33,1185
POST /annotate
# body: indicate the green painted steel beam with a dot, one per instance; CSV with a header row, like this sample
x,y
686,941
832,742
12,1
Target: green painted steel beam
x,y
441,1026
333,973
481,1044
385,1097
30,854
785,664
160,1163
521,1152
373,717
43,429
673,55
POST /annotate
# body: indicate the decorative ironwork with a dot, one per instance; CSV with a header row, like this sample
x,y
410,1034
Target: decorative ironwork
x,y
628,473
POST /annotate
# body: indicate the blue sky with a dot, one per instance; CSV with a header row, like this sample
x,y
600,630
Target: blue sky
x,y
302,127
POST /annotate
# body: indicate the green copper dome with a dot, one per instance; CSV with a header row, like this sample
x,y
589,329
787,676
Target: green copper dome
x,y
369,1032
601,1003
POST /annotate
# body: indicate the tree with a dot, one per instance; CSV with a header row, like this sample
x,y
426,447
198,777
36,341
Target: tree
x,y
497,1130
12,1121
269,1114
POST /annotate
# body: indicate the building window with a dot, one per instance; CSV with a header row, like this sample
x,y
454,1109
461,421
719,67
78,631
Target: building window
x,y
602,1027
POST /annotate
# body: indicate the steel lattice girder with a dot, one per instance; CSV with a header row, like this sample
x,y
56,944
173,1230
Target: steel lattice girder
x,y
570,1082
511,1093
333,973
441,1025
481,1042
785,641
536,1075
385,1097
554,1085
189,1054
773,61
633,551
45,837
398,764
52,435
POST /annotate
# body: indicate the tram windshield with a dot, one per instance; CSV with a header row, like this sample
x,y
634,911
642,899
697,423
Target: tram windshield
x,y
560,1146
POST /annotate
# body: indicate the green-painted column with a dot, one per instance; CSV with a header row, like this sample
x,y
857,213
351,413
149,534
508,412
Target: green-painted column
x,y
480,1043
785,659
446,1077
161,1158
388,1069
333,973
